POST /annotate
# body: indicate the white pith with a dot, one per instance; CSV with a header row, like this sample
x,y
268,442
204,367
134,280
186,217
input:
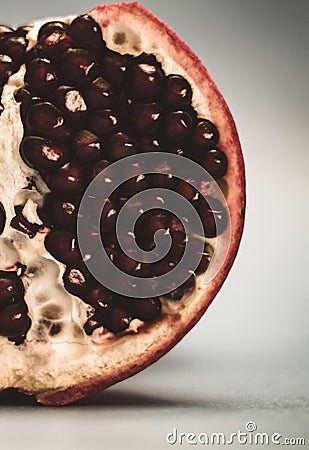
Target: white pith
x,y
44,363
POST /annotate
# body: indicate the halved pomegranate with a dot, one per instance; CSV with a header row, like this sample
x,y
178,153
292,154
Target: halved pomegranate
x,y
99,110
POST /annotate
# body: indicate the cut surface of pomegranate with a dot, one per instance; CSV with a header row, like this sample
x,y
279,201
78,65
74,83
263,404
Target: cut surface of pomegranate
x,y
122,199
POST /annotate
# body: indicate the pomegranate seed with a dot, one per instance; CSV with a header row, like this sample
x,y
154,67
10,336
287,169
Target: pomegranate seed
x,y
43,154
208,213
215,162
23,30
115,67
177,91
117,321
53,44
63,246
99,94
20,223
100,298
40,75
6,68
50,27
144,309
103,122
68,179
14,320
62,213
86,32
15,47
204,137
177,126
47,120
87,147
11,288
5,31
144,81
78,66
145,118
120,146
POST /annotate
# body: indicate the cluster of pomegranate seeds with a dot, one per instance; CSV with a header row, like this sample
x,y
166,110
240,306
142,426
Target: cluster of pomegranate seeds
x,y
83,107
14,321
13,45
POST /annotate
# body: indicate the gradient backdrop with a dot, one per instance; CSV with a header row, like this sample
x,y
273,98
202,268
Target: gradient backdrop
x,y
248,357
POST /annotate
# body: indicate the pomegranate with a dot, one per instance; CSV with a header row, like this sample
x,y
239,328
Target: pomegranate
x,y
99,110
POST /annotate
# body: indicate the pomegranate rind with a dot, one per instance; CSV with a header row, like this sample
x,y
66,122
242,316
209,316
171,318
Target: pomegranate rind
x,y
128,27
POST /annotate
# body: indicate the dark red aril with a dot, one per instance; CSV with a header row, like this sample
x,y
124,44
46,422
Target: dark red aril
x,y
176,126
185,189
20,223
87,147
204,254
147,225
133,186
68,179
63,246
11,288
5,31
99,94
177,91
209,209
53,44
50,27
125,263
93,323
78,65
43,154
117,321
100,298
149,144
61,213
15,47
145,118
46,120
119,146
144,309
215,162
175,225
86,32
14,320
161,180
23,30
32,54
98,167
144,81
6,68
103,122
2,218
178,245
108,215
40,75
204,137
162,267
115,67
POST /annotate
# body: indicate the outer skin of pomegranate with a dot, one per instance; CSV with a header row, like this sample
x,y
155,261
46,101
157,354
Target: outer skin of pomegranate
x,y
129,28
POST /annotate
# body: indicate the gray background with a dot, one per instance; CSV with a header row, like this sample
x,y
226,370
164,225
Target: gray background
x,y
247,359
